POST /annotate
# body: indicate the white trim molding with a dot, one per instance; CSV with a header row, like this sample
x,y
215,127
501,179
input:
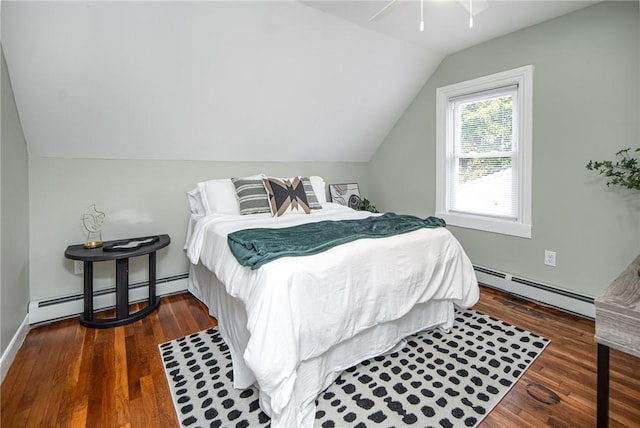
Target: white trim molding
x,y
521,223
14,346
52,309
535,291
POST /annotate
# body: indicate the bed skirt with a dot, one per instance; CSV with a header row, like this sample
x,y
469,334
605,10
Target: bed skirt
x,y
316,374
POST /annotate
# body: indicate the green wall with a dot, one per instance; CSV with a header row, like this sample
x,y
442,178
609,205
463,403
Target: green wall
x,y
140,198
586,106
14,219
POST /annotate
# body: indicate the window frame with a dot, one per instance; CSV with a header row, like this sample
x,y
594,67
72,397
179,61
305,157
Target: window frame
x,y
521,161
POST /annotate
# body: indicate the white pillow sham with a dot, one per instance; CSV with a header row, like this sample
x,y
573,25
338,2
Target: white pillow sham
x,y
219,196
319,188
195,202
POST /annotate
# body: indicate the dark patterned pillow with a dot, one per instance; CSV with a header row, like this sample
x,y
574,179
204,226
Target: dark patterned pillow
x,y
252,196
286,196
311,195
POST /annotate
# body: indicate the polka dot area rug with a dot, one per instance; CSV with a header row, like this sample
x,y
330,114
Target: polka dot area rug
x,y
437,380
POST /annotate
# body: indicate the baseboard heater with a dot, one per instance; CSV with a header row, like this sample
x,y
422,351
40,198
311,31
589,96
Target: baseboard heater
x,y
544,294
63,307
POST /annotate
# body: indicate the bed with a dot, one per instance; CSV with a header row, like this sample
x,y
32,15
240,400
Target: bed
x,y
295,323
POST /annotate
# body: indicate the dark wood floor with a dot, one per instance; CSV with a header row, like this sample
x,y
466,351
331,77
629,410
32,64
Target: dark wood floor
x,y
66,375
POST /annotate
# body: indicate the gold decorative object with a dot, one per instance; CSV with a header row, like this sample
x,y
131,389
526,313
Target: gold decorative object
x,y
92,221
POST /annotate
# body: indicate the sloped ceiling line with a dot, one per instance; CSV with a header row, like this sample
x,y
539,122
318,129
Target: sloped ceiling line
x,y
211,80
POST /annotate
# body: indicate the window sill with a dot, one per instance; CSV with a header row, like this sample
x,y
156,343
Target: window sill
x,y
487,224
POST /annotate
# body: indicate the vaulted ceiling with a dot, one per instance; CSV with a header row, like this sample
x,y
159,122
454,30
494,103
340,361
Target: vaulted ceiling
x,y
232,80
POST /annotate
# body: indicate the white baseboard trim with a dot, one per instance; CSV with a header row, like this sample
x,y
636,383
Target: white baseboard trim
x,y
14,346
63,307
547,295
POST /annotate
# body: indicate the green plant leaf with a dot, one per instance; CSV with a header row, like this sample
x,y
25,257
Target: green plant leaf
x,y
624,172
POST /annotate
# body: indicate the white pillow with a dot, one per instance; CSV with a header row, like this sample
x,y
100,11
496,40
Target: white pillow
x,y
219,196
319,188
195,202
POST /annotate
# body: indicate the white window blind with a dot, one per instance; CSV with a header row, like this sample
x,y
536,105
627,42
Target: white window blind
x,y
481,171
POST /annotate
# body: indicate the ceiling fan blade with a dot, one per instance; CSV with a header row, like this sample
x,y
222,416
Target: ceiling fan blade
x,y
387,9
478,5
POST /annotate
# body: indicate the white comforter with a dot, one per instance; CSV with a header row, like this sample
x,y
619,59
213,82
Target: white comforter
x,y
299,307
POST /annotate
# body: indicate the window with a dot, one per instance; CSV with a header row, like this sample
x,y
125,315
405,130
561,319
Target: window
x,y
483,140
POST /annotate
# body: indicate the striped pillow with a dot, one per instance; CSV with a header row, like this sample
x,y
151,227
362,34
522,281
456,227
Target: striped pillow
x,y
252,196
311,195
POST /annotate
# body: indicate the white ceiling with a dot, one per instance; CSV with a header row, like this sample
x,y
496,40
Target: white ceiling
x,y
446,22
238,81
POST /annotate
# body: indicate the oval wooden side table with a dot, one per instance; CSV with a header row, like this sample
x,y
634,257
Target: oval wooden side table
x,y
120,251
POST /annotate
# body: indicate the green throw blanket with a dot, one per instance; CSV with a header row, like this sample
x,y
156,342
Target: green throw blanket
x,y
255,247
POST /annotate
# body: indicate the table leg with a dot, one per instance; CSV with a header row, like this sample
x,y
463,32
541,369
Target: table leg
x,y
88,291
152,278
603,386
122,288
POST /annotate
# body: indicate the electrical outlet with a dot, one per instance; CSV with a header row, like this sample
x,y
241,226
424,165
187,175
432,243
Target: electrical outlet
x,y
549,258
78,267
